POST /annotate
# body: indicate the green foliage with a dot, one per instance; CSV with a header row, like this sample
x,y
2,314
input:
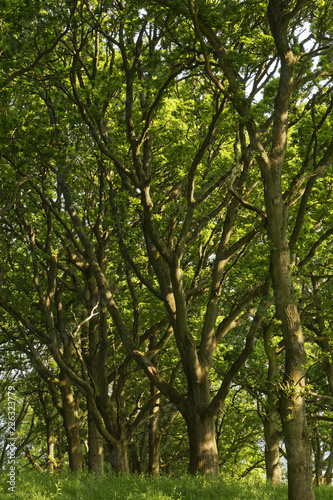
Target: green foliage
x,y
41,487
88,486
127,171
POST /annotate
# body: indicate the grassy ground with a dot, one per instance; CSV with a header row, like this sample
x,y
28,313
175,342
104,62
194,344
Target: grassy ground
x,y
39,486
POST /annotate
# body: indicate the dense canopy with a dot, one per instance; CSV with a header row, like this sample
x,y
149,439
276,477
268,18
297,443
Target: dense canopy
x,y
166,236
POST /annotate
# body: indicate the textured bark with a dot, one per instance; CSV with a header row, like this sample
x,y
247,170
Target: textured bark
x,y
319,329
329,468
118,458
292,399
49,434
318,460
292,402
93,362
114,425
271,420
50,445
95,447
272,454
154,438
60,458
71,423
203,447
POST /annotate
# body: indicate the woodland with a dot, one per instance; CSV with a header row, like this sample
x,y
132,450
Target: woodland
x,y
166,237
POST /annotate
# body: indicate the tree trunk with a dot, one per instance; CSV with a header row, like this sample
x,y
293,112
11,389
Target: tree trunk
x,y
95,447
135,467
325,346
50,445
71,423
292,399
272,453
154,438
329,468
49,433
60,458
271,420
319,479
118,458
144,449
203,447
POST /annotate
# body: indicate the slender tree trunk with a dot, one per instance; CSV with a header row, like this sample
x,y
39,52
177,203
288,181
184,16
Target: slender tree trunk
x,y
272,453
50,445
154,438
325,346
329,468
319,479
95,447
71,423
272,418
154,444
60,458
49,433
95,439
144,449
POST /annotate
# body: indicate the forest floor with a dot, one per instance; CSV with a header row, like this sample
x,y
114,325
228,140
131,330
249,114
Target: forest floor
x,y
40,486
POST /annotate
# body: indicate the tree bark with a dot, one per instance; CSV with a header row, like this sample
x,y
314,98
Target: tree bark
x,y
154,438
50,445
95,447
118,458
292,400
203,447
71,423
271,419
144,449
326,348
49,433
329,468
318,459
60,458
272,453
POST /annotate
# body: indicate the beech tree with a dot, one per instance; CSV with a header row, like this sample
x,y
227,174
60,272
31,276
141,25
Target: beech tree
x,y
155,184
268,142
170,241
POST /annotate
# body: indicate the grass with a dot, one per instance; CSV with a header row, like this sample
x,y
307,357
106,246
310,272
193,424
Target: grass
x,y
38,486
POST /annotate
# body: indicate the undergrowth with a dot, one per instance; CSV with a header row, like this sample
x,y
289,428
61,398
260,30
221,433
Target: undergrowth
x,y
43,486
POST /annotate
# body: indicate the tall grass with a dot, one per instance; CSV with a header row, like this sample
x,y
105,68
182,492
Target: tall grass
x,y
38,486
